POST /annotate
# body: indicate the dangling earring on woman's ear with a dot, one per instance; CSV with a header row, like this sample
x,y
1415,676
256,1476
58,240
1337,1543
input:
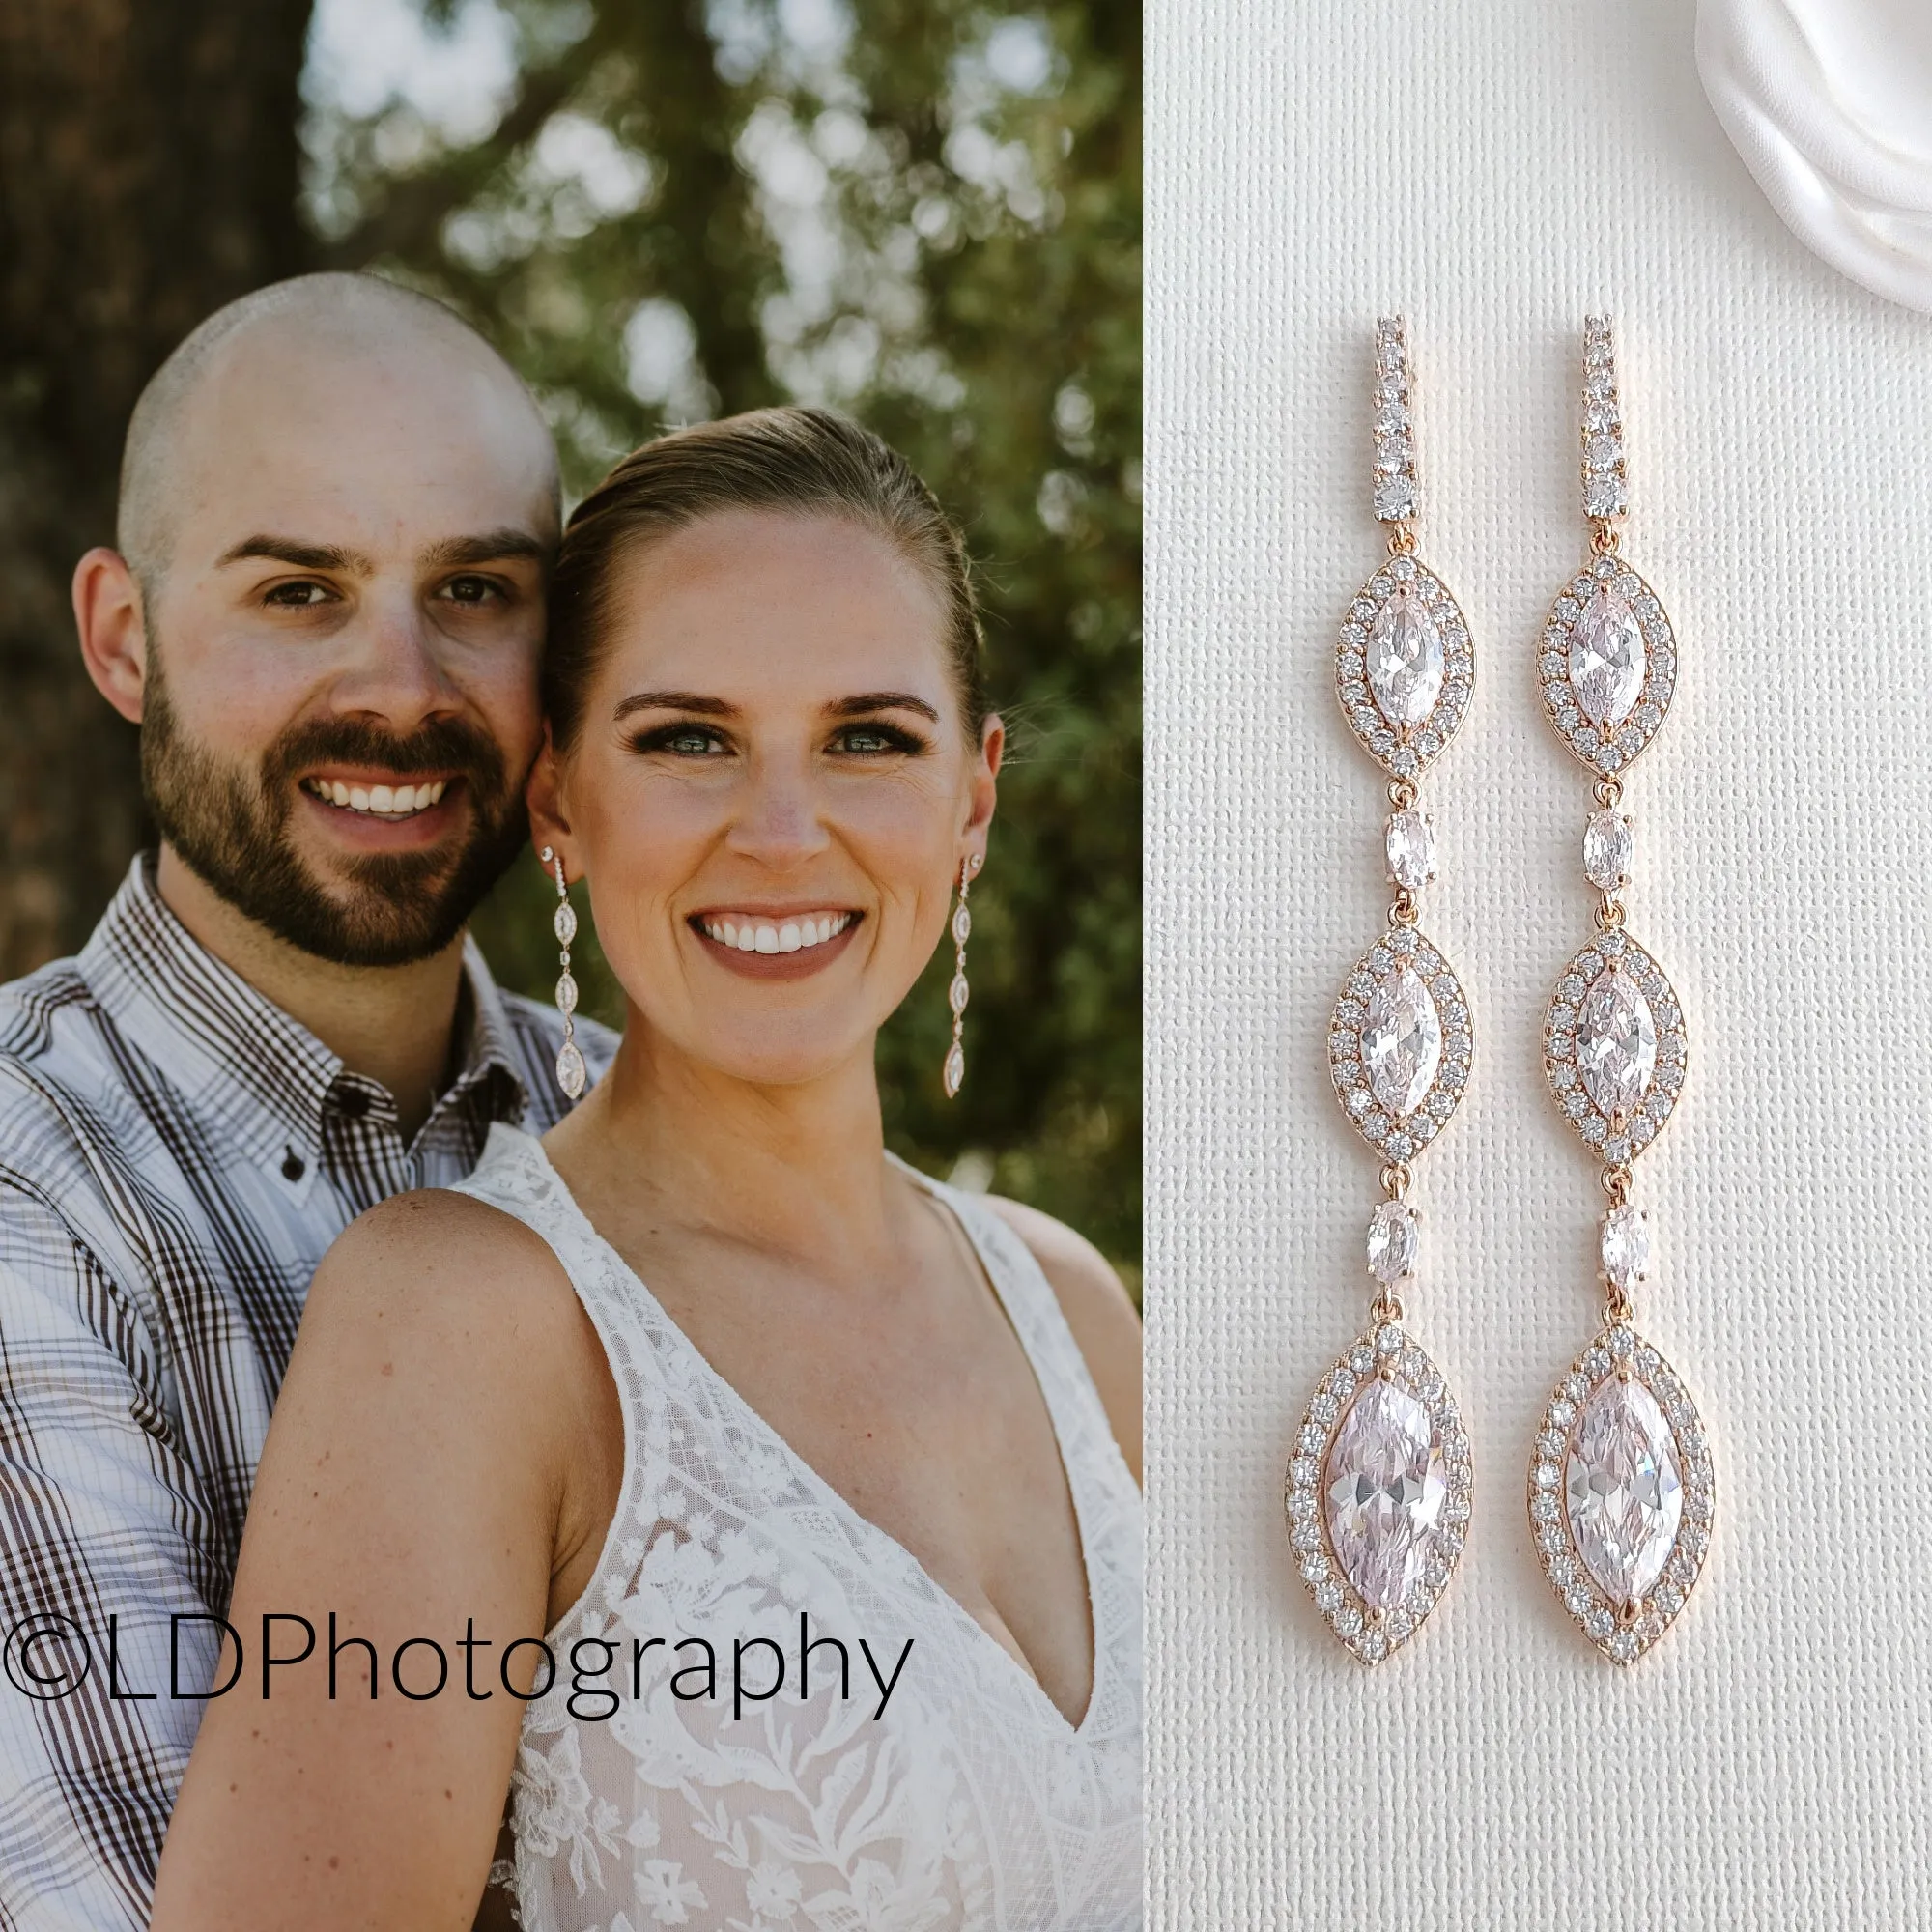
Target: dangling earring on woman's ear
x,y
570,1069
959,992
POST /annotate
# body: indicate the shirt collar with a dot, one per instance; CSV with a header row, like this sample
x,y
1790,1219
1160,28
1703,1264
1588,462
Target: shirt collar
x,y
254,1072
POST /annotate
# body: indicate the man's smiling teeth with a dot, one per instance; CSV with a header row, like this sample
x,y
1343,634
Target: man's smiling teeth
x,y
383,801
791,935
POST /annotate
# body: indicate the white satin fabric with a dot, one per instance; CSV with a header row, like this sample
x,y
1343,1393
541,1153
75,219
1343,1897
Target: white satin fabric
x,y
1829,103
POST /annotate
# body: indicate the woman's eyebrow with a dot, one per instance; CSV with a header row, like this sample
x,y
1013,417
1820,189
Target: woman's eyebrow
x,y
882,700
675,701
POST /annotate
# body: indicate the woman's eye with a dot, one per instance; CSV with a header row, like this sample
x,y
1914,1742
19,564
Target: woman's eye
x,y
683,741
874,740
298,596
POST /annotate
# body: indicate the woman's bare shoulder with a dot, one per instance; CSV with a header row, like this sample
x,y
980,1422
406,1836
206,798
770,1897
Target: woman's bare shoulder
x,y
1098,1310
434,1239
447,1289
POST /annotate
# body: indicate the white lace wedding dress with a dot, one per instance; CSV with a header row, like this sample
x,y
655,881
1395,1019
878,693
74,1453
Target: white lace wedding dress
x,y
969,1803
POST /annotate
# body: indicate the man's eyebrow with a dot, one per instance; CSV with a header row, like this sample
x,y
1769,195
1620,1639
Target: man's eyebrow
x,y
882,700
490,547
675,701
300,556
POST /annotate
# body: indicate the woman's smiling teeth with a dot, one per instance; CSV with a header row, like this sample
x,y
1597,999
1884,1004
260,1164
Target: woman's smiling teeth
x,y
382,800
792,934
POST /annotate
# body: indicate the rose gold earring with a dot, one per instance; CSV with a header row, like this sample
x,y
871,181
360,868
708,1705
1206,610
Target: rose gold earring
x,y
959,992
1379,1486
1620,1479
570,1069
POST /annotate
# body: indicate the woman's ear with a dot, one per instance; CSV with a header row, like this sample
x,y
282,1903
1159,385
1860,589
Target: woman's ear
x,y
983,789
543,796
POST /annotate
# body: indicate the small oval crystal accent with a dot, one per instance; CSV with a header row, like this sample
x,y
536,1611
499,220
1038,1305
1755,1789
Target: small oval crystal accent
x,y
962,923
1392,1242
564,924
1404,658
1409,842
1402,1042
1616,1043
566,995
1606,657
1625,1247
1608,850
958,993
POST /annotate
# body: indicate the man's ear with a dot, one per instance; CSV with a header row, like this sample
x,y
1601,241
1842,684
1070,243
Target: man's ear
x,y
108,614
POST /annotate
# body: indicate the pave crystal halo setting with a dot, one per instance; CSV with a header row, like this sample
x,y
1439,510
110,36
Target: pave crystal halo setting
x,y
1377,1486
1621,1494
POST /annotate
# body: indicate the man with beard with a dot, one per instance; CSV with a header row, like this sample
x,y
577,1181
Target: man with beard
x,y
326,610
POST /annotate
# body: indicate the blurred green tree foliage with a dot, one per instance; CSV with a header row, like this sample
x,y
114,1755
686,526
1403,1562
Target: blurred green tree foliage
x,y
926,211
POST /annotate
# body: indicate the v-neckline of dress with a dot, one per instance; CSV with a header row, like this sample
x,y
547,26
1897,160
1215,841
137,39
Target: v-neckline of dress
x,y
834,1499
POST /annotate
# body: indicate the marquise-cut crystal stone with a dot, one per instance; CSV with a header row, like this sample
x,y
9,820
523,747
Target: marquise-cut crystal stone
x,y
1616,1043
1404,658
571,1071
1402,1042
1392,1242
1411,849
1386,1488
956,1068
1626,1246
1623,1489
1608,849
564,923
1606,658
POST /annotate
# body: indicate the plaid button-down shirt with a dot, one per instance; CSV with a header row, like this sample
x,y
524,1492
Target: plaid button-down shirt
x,y
176,1154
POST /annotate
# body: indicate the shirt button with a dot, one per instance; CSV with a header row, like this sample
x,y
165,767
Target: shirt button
x,y
353,1101
293,1167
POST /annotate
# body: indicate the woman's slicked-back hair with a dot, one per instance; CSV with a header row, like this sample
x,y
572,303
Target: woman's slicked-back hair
x,y
802,461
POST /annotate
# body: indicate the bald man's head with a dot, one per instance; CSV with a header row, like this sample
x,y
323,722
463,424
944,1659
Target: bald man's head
x,y
338,510
350,334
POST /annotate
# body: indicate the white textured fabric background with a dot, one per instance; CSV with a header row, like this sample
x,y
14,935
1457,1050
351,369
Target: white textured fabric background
x,y
1497,168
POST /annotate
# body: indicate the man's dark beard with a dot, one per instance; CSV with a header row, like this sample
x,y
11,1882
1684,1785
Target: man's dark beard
x,y
230,828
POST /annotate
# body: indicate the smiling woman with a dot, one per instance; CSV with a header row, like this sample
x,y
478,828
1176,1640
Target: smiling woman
x,y
705,1368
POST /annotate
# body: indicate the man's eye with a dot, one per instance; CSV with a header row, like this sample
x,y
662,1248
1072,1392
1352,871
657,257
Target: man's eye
x,y
298,596
470,590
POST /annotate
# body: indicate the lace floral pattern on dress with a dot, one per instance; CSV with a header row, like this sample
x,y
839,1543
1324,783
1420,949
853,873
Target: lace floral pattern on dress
x,y
963,1800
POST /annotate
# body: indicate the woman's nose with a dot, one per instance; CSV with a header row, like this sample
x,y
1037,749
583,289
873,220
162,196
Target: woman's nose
x,y
780,823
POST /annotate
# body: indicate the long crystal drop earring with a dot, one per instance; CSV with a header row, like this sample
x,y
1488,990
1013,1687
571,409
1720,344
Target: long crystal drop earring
x,y
1620,1479
958,993
1377,1490
570,1069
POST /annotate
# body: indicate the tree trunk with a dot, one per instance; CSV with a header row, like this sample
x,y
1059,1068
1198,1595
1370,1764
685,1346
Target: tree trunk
x,y
149,160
